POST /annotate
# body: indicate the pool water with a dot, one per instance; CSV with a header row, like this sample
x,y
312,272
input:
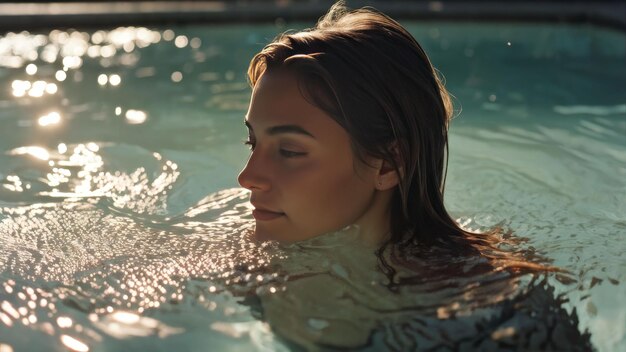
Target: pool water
x,y
122,226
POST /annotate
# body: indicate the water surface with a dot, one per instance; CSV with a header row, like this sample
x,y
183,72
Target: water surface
x,y
122,227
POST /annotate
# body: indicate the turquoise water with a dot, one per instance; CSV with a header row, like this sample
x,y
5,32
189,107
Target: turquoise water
x,y
122,227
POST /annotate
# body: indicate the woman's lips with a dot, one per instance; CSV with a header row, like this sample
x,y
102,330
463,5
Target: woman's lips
x,y
265,215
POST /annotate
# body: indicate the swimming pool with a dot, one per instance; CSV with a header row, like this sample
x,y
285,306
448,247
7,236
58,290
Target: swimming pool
x,y
121,222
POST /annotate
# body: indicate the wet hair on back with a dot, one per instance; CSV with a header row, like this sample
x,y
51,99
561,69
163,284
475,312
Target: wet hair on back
x,y
375,80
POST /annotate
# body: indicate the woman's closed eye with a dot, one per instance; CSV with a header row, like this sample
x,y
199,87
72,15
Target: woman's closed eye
x,y
284,152
290,153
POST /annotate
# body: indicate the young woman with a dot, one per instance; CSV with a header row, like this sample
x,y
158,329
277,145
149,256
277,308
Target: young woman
x,y
348,125
348,128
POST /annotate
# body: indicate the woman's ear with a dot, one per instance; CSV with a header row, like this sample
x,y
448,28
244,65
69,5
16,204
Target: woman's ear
x,y
389,173
387,177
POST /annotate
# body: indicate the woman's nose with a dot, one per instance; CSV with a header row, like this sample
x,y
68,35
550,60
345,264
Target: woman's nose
x,y
253,176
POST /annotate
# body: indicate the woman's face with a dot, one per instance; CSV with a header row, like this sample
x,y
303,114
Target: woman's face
x,y
303,176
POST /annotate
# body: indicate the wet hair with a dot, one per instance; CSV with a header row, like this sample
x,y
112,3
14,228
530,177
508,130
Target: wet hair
x,y
374,79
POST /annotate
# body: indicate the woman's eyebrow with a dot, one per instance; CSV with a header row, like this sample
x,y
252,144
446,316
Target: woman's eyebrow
x,y
279,129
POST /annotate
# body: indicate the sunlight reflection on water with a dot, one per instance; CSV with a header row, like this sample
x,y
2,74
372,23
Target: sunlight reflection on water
x,y
109,231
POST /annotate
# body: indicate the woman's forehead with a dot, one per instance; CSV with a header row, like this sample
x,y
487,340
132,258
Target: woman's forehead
x,y
277,88
277,99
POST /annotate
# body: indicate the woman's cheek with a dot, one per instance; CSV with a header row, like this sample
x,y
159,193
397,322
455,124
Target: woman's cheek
x,y
298,173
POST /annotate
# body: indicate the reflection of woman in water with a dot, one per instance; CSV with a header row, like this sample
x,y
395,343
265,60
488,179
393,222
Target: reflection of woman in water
x,y
348,129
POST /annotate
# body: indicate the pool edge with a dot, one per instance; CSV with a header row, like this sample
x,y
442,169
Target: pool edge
x,y
27,16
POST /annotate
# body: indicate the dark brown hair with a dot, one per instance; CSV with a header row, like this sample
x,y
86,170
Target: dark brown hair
x,y
370,75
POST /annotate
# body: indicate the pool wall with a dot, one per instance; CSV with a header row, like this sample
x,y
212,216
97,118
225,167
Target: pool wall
x,y
29,16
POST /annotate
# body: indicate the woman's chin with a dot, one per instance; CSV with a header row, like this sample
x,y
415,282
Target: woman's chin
x,y
261,236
